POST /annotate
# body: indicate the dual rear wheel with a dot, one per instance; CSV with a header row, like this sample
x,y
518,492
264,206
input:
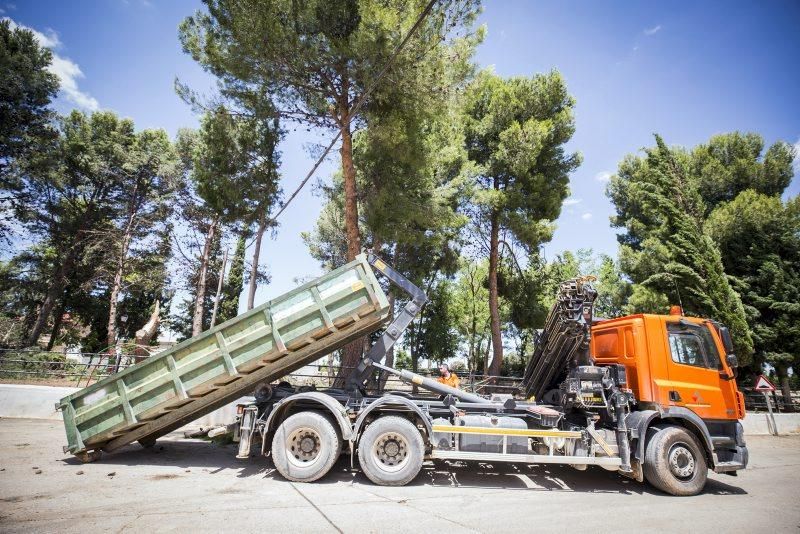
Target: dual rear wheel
x,y
391,451
306,445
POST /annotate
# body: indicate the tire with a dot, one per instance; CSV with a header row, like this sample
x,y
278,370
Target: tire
x,y
391,451
305,447
675,463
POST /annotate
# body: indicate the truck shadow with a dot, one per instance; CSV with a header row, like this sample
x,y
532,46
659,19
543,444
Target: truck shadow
x,y
194,454
521,477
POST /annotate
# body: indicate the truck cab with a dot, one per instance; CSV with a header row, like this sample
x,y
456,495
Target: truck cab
x,y
681,371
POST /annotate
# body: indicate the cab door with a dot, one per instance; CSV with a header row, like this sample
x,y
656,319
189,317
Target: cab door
x,y
697,378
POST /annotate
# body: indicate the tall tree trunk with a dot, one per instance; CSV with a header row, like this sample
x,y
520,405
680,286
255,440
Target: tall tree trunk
x,y
472,334
349,173
116,286
200,294
251,291
54,292
786,390
494,305
58,318
145,334
352,352
220,281
486,351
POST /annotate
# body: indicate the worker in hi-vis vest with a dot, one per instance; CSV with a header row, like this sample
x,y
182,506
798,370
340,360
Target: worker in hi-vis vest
x,y
446,377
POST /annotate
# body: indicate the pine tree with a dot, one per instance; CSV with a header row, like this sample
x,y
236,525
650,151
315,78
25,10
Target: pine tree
x,y
515,131
665,248
759,237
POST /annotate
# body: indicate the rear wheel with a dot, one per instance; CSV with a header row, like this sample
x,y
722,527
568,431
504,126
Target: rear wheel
x,y
675,463
391,451
305,447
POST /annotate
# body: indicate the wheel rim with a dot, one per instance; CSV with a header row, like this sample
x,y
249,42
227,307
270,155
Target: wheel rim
x,y
303,446
390,451
681,461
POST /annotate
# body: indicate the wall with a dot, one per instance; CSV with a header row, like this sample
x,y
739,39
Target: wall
x,y
38,402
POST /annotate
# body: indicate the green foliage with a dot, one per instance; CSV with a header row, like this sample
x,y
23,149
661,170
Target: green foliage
x,y
470,308
515,132
29,365
614,290
327,242
232,287
97,200
732,163
24,278
26,89
402,359
759,237
309,56
435,338
665,248
230,166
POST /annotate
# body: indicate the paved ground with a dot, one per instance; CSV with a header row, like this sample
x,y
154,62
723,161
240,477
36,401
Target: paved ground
x,y
190,484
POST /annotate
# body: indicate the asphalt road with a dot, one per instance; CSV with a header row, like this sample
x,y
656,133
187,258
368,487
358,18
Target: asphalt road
x,y
183,485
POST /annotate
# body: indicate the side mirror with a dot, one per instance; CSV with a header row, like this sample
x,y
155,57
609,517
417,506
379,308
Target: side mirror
x,y
733,363
727,341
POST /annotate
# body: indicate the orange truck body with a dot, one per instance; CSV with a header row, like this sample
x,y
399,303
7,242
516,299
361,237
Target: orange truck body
x,y
660,373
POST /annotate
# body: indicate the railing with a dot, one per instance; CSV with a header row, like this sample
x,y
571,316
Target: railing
x,y
80,369
754,401
77,369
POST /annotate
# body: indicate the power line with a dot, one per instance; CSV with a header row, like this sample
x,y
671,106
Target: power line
x,y
358,104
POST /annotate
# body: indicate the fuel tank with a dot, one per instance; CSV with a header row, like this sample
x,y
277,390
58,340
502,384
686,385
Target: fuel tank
x,y
487,442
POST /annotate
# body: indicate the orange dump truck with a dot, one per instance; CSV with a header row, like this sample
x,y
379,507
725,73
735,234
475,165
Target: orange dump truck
x,y
650,397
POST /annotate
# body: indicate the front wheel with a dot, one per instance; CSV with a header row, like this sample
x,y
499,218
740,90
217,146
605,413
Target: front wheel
x,y
675,463
305,447
391,451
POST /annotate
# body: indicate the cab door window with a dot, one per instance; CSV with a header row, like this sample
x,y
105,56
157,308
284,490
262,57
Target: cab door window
x,y
687,349
712,354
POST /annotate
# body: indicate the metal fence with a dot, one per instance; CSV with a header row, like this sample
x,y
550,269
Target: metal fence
x,y
80,369
754,401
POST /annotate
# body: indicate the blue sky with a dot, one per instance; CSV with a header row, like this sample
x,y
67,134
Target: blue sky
x,y
684,70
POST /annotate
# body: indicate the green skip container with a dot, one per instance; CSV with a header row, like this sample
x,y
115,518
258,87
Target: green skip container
x,y
203,373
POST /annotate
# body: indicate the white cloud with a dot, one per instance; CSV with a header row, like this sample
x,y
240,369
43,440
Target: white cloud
x,y
68,71
652,31
586,216
603,176
571,201
796,163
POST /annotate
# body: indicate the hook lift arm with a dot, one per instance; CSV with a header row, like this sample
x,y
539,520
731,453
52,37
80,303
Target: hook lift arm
x,y
376,353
